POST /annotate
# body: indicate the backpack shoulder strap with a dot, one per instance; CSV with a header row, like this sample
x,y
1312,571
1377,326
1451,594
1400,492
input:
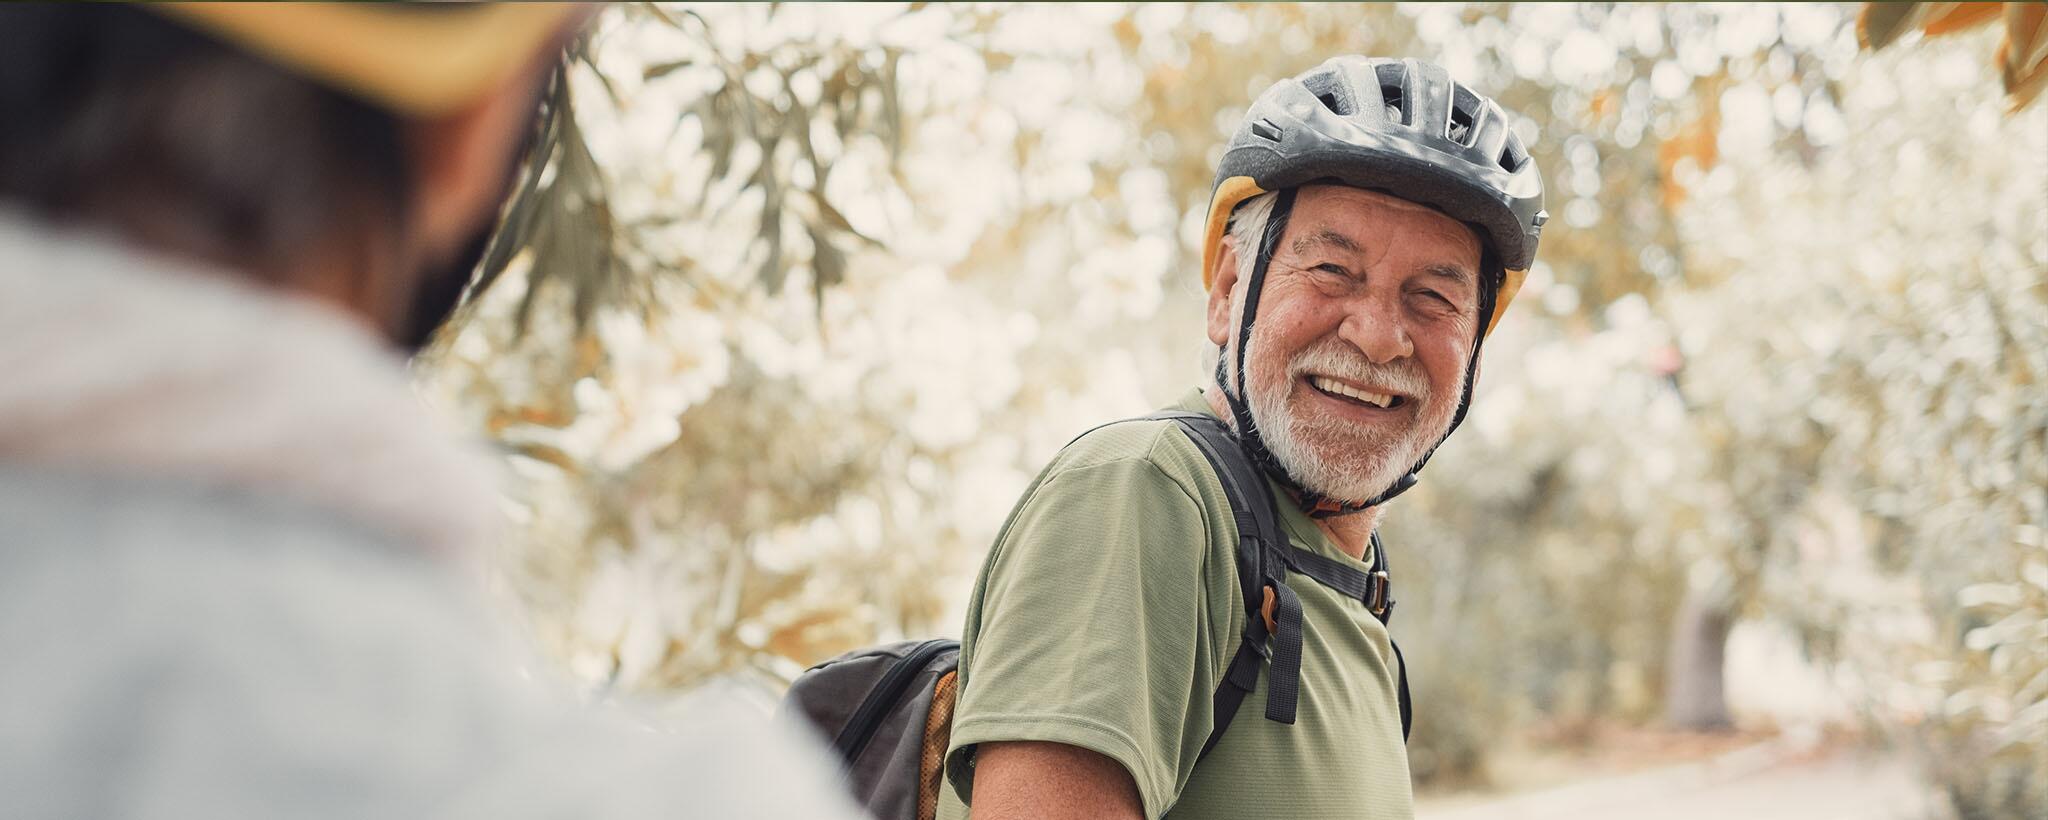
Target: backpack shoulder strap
x,y
1261,566
1264,557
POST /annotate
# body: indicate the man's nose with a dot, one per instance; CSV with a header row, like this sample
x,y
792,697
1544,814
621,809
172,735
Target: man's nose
x,y
1373,325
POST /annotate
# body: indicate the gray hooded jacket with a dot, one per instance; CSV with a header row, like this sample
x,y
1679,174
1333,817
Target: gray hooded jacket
x,y
232,583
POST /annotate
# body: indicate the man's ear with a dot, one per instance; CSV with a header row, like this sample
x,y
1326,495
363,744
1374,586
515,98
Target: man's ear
x,y
1222,281
460,160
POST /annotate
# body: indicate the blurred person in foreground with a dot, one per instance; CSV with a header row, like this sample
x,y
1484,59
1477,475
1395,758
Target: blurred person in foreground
x,y
1371,220
231,545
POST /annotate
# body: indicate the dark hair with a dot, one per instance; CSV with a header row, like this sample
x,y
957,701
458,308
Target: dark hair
x,y
116,118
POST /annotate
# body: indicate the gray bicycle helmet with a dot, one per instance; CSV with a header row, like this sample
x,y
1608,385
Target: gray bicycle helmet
x,y
1399,126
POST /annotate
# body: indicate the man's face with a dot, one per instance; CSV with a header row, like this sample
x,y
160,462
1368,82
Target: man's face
x,y
1359,349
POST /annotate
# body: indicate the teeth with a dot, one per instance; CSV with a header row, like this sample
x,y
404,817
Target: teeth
x,y
1342,389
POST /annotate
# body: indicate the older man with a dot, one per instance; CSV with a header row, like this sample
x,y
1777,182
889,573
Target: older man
x,y
231,543
1370,222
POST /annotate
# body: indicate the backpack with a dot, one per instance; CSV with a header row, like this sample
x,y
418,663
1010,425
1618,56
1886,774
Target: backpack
x,y
889,709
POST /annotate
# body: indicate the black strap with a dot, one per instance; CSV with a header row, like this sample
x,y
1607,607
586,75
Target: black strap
x,y
1261,564
1283,684
1264,547
1407,709
1238,680
1370,587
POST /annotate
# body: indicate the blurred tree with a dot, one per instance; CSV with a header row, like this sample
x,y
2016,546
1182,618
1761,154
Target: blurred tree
x,y
799,296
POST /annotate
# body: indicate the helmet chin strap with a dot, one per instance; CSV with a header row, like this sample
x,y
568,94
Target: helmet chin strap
x,y
1315,504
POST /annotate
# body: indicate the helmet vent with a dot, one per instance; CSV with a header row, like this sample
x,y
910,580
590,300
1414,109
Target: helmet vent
x,y
1266,130
1395,110
1464,108
1330,90
1391,92
1511,157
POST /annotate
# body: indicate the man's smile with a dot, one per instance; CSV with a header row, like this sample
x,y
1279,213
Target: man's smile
x,y
1356,402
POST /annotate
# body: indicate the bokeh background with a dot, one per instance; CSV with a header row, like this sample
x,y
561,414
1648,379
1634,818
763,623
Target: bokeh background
x,y
795,300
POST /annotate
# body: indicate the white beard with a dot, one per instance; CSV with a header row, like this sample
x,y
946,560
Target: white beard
x,y
1330,456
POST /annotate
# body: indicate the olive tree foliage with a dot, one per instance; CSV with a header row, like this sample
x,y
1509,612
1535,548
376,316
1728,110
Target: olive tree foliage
x,y
1890,357
772,357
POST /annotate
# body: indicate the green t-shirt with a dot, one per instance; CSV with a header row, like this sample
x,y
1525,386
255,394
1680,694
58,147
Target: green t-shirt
x,y
1106,614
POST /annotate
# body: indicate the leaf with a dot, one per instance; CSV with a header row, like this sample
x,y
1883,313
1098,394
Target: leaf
x,y
892,111
800,128
772,273
659,70
2021,89
719,139
522,212
1882,23
611,90
2026,30
661,13
550,455
837,220
2023,56
1948,18
828,266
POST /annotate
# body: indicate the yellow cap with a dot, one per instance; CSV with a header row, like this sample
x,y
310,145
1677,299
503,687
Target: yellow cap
x,y
414,59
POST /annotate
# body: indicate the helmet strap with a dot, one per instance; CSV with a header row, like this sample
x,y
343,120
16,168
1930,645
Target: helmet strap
x,y
1276,225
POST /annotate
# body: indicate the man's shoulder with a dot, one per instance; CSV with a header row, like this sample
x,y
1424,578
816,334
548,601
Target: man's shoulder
x,y
1155,443
1143,477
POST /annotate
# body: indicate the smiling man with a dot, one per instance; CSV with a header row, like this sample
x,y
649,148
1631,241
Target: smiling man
x,y
1370,222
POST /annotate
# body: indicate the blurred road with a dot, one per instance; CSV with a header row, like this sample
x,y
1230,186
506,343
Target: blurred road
x,y
1770,781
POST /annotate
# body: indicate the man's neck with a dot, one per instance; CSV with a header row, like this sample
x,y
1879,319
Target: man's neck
x,y
1350,533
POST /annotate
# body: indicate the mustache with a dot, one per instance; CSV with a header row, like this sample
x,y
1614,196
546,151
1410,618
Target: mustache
x,y
1338,360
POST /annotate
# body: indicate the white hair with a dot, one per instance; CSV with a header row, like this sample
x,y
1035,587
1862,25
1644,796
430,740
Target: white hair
x,y
1246,226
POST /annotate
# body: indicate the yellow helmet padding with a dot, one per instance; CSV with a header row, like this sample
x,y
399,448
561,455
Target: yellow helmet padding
x,y
1235,190
1509,286
411,60
1229,194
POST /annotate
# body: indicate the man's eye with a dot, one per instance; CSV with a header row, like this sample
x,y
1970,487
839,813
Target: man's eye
x,y
1328,267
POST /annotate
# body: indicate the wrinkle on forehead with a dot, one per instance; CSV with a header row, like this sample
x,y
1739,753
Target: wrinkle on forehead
x,y
1310,240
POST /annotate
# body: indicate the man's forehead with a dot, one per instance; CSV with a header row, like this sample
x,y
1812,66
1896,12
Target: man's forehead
x,y
1341,217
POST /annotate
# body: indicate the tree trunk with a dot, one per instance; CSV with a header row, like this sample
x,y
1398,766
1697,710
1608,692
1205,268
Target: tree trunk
x,y
1695,695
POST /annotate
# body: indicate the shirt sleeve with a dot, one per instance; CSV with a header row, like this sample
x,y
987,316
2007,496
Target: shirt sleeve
x,y
1095,627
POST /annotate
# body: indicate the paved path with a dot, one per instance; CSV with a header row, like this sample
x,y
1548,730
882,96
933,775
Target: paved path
x,y
1770,781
